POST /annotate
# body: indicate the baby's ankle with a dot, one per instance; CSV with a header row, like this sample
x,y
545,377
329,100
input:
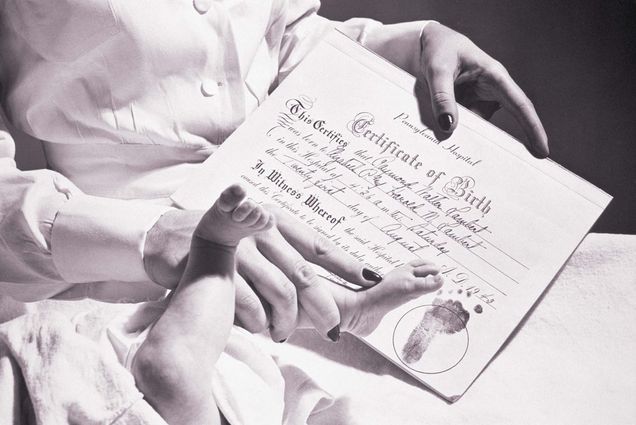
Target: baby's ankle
x,y
210,258
199,243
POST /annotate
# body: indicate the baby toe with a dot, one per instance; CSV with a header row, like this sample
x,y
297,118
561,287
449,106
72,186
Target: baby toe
x,y
433,282
253,217
231,197
417,286
243,210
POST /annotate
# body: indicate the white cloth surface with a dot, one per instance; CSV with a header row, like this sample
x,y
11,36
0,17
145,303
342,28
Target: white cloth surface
x,y
65,362
56,376
573,361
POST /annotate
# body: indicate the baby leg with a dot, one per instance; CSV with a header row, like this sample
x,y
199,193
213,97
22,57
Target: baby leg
x,y
174,366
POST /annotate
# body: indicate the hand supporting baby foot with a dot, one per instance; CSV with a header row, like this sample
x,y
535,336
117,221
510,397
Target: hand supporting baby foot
x,y
362,311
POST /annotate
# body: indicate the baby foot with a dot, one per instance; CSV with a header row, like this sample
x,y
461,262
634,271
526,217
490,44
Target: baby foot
x,y
232,217
365,309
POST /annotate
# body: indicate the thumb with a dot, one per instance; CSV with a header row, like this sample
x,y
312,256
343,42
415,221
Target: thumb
x,y
441,87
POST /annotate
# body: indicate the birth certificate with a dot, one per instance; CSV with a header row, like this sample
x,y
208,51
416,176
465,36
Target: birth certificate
x,y
341,146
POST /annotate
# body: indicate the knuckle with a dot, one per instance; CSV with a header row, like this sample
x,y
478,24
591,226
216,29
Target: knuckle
x,y
463,39
249,304
522,104
441,97
436,68
526,104
495,72
303,275
495,67
322,247
286,293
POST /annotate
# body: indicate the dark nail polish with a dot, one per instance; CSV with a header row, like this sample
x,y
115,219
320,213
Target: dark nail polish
x,y
334,334
445,121
282,340
369,274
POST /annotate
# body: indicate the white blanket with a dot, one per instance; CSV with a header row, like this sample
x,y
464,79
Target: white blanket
x,y
67,363
572,361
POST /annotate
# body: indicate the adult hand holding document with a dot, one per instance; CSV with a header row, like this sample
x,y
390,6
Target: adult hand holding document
x,y
341,147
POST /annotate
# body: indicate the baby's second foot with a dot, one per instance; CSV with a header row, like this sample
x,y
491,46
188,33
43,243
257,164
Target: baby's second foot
x,y
232,217
364,310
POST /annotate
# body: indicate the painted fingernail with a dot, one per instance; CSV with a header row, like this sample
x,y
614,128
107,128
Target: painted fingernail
x,y
334,334
282,340
445,121
369,274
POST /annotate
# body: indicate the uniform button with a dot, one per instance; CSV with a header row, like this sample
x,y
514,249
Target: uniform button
x,y
202,6
209,88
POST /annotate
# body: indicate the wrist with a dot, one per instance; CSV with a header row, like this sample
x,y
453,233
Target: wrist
x,y
400,44
167,246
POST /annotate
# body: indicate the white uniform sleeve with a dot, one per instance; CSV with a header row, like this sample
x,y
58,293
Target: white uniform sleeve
x,y
53,235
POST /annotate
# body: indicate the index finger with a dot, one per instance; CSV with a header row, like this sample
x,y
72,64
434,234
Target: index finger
x,y
321,251
312,294
515,100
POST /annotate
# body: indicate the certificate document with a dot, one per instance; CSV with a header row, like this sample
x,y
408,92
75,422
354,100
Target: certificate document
x,y
340,145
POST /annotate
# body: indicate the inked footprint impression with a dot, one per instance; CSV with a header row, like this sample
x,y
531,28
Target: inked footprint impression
x,y
432,338
447,317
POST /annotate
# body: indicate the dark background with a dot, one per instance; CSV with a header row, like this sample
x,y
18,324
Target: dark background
x,y
576,60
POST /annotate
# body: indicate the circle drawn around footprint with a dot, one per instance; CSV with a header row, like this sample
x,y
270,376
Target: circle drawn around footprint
x,y
430,339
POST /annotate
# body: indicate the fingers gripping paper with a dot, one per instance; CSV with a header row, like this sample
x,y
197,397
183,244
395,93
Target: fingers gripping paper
x,y
341,146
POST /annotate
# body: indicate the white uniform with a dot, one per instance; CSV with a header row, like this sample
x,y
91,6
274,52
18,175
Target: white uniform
x,y
128,96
